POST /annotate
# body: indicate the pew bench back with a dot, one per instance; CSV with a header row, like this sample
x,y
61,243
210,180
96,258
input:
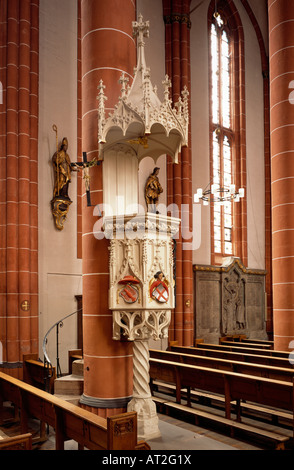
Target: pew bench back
x,y
70,421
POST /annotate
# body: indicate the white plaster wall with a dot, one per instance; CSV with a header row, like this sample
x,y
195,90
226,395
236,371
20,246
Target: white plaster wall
x,y
155,59
254,142
59,269
200,124
260,10
254,131
155,44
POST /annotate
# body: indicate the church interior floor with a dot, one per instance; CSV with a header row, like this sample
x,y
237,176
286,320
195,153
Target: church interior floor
x,y
175,435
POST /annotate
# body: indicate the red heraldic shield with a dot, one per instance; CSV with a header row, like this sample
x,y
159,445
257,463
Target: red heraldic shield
x,y
129,293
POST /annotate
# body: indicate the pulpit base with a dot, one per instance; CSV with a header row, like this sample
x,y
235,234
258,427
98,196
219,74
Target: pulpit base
x,y
147,419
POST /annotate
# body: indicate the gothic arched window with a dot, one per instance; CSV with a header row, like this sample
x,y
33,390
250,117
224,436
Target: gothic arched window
x,y
226,155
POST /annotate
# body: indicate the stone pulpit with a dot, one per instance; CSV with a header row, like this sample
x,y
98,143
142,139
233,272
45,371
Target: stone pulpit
x,y
141,246
141,296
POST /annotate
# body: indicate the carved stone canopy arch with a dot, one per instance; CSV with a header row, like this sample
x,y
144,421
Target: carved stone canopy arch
x,y
140,119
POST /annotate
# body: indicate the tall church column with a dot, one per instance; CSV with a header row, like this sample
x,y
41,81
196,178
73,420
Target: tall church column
x,y
19,182
108,49
177,30
281,41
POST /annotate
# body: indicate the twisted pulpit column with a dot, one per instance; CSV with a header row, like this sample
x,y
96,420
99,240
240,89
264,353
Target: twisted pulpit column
x,y
142,401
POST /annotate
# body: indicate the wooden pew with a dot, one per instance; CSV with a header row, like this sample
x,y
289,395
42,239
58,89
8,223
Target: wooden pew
x,y
238,348
21,442
242,356
243,339
249,368
34,373
70,421
199,415
277,373
233,386
257,341
245,345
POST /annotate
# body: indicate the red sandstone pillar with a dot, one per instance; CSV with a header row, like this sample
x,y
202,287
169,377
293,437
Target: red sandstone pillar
x,y
19,182
108,49
281,41
179,185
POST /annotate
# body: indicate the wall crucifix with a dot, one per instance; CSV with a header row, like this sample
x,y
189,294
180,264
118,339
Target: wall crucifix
x,y
85,167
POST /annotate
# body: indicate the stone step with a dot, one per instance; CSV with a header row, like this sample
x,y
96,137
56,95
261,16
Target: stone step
x,y
69,385
78,367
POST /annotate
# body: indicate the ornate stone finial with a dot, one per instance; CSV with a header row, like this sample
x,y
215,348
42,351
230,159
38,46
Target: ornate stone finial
x,y
167,85
101,109
101,97
141,29
185,94
124,89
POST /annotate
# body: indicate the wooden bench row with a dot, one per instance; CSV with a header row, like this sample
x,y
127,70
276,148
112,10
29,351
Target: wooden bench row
x,y
243,356
233,426
70,421
241,367
20,442
35,373
214,400
237,347
241,339
234,387
257,341
246,344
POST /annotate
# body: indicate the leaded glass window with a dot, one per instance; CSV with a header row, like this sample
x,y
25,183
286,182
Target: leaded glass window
x,y
222,135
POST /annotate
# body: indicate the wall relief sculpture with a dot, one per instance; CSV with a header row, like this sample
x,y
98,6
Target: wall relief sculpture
x,y
229,300
233,308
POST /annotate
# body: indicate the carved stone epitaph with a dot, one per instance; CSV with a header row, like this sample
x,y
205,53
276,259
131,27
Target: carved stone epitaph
x,y
230,300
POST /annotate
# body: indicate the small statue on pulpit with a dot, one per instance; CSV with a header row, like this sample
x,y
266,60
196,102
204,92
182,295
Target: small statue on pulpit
x,y
152,190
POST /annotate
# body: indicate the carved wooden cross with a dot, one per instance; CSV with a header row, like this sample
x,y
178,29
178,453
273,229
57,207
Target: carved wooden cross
x,y
85,166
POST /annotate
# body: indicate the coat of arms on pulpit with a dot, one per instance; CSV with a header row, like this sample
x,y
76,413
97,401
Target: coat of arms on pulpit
x,y
159,288
129,292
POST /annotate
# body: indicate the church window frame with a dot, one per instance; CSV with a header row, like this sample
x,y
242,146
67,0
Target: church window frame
x,y
227,240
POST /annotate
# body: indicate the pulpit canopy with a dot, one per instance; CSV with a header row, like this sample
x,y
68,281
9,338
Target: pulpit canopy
x,y
140,119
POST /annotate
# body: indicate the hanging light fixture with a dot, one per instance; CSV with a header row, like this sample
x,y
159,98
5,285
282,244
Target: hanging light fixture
x,y
219,195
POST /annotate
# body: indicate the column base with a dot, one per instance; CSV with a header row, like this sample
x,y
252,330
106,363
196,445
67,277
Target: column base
x,y
147,419
94,402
